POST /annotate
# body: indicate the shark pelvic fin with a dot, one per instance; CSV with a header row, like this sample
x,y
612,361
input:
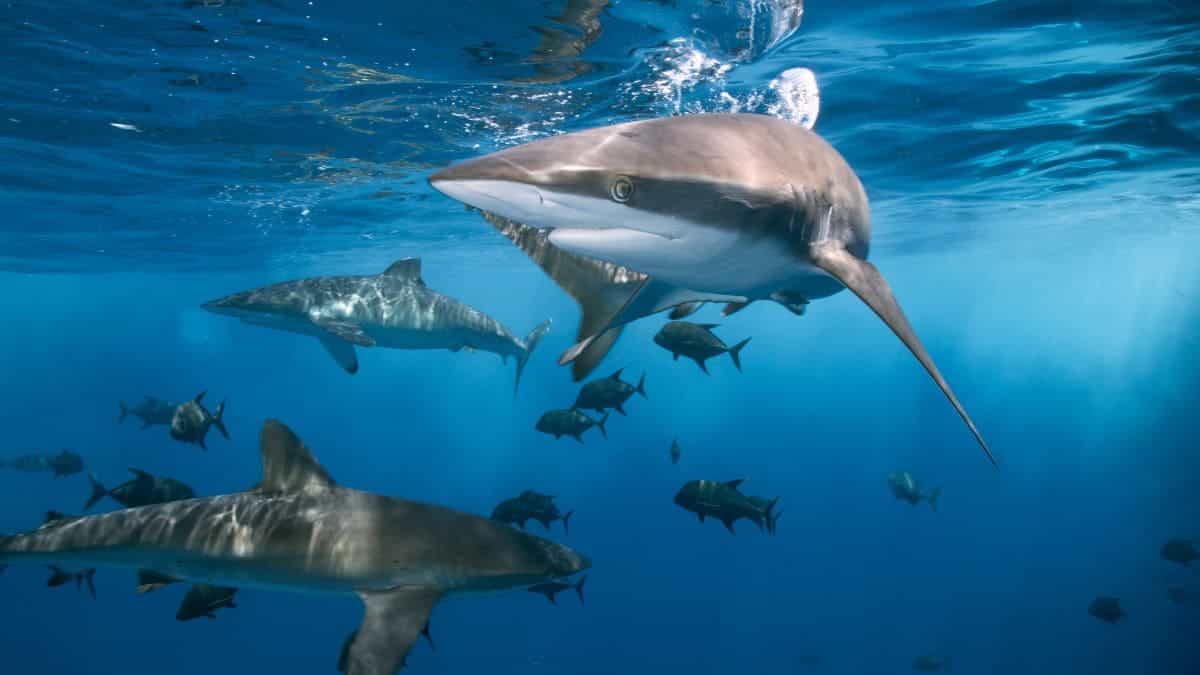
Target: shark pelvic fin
x,y
346,330
288,466
685,310
341,351
394,620
406,268
649,297
865,281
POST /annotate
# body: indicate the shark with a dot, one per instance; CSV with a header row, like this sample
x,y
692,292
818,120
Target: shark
x,y
641,217
394,309
298,530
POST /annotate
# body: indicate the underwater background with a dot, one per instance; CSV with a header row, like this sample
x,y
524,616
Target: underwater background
x,y
1034,181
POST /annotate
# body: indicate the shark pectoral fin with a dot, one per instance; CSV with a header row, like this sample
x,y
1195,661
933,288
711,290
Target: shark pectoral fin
x,y
393,621
734,307
288,466
865,281
342,352
346,330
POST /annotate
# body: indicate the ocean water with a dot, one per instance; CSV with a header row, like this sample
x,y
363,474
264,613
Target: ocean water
x,y
1033,169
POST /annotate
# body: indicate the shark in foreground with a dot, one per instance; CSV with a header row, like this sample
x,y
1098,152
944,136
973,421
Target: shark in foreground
x,y
394,309
300,531
645,216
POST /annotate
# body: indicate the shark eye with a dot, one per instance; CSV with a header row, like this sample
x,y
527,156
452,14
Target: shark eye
x,y
622,189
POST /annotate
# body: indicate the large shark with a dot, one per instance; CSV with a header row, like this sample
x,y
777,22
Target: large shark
x,y
394,309
299,531
731,208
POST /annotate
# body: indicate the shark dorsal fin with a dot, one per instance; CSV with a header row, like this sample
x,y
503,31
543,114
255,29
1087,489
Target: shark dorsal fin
x,y
288,466
406,268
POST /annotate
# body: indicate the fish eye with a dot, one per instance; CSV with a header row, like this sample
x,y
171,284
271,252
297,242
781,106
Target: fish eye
x,y
622,189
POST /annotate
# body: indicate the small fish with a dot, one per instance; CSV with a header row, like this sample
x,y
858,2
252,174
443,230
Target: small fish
x,y
530,505
1182,551
726,503
149,580
205,600
142,490
151,411
907,489
697,342
1107,609
676,451
552,588
930,664
60,577
191,421
569,422
609,392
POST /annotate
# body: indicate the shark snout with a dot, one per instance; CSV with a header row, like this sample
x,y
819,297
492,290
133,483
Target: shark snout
x,y
565,562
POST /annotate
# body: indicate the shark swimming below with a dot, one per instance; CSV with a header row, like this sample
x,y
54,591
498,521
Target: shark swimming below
x,y
300,531
394,309
636,218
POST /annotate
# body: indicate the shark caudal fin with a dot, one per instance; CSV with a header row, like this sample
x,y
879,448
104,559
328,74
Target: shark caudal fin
x,y
98,492
579,588
600,423
567,522
219,420
641,387
735,353
124,412
865,281
529,344
932,498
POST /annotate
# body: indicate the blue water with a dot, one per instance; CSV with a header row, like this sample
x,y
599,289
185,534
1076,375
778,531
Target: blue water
x,y
1033,170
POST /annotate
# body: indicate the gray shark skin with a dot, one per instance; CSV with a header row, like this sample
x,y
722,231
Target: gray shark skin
x,y
191,421
300,531
569,422
204,600
151,411
906,489
394,309
697,342
725,502
609,392
731,208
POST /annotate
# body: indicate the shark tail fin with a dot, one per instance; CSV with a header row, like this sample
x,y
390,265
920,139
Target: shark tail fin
x,y
641,388
124,411
567,522
933,498
735,353
600,423
98,492
219,421
579,588
771,517
529,344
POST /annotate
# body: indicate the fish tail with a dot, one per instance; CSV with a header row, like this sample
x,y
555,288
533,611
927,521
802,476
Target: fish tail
x,y
735,353
771,516
218,420
567,522
600,423
89,576
529,344
98,492
579,588
641,388
124,412
933,498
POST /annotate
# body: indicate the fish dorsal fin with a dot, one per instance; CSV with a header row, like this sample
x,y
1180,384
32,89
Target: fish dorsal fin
x,y
405,268
288,466
140,475
199,398
616,375
708,326
735,483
